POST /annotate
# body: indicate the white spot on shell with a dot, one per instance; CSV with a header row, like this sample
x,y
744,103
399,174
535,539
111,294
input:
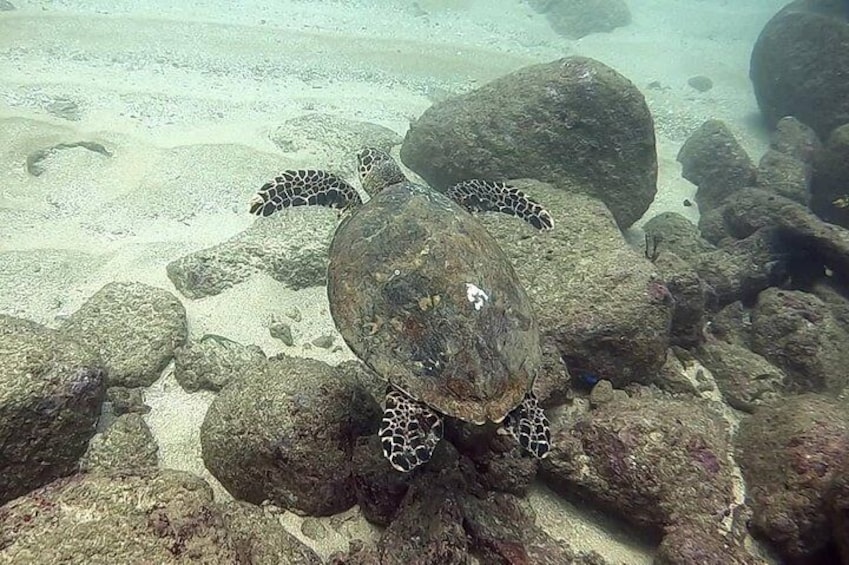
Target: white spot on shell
x,y
476,296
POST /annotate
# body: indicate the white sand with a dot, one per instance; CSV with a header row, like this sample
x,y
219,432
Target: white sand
x,y
170,87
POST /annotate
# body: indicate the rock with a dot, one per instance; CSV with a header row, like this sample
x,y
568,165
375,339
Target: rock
x,y
838,510
126,445
576,18
688,545
794,139
795,331
123,400
689,292
602,393
673,232
656,463
799,66
830,183
331,141
379,488
808,244
212,362
282,331
785,176
599,135
51,389
291,248
716,163
617,327
428,527
746,379
700,83
502,529
286,434
789,453
134,328
731,324
153,516
6,6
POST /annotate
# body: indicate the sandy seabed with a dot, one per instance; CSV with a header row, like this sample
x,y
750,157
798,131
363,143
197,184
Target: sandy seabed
x,y
167,86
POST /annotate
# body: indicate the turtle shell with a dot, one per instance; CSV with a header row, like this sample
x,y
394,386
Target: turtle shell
x,y
424,295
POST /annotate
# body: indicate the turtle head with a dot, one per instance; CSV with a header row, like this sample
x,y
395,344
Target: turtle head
x,y
377,170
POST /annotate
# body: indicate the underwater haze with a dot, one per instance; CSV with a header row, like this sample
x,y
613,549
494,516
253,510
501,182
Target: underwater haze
x,y
434,281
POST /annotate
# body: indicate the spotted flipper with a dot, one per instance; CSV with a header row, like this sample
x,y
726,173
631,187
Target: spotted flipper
x,y
478,195
409,431
304,188
529,426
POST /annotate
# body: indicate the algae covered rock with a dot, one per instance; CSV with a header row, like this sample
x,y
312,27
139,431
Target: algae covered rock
x,y
51,390
790,452
286,433
133,327
599,135
153,516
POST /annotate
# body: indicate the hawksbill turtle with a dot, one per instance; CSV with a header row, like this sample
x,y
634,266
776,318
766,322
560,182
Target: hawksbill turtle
x,y
425,296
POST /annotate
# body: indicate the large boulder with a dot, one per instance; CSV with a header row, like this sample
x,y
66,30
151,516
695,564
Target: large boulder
x,y
286,433
135,329
602,307
164,517
51,389
800,62
790,452
573,119
576,18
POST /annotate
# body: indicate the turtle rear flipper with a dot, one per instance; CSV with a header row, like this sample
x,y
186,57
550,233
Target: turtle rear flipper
x,y
304,188
528,424
409,431
478,195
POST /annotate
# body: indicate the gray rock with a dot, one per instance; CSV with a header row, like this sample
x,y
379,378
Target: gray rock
x,y
785,175
689,544
656,463
331,141
282,331
291,248
714,161
799,65
790,453
152,516
133,327
838,506
126,445
746,379
689,292
830,183
123,400
212,362
285,433
700,83
796,331
601,306
794,139
576,18
51,389
599,135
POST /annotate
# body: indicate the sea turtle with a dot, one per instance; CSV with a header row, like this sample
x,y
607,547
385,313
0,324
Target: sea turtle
x,y
424,295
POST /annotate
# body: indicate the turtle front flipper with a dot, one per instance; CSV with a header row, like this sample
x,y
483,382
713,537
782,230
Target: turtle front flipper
x,y
528,424
478,195
304,188
409,431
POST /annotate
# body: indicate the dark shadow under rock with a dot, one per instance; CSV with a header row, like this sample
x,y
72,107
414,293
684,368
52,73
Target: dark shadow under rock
x,y
286,434
790,452
135,329
599,135
146,517
51,390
